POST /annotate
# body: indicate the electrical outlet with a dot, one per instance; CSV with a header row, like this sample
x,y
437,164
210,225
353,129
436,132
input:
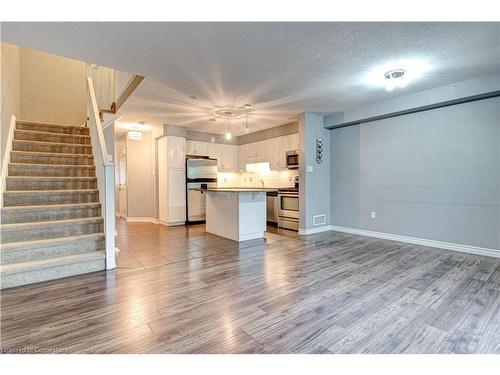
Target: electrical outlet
x,y
373,214
310,168
251,179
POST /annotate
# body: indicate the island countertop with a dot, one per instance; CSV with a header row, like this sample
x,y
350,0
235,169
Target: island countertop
x,y
237,190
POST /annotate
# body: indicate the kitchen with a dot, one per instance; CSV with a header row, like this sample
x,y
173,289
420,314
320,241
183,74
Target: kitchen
x,y
189,163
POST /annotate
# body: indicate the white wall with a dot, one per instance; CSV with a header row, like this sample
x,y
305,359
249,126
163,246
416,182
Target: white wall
x,y
11,88
53,88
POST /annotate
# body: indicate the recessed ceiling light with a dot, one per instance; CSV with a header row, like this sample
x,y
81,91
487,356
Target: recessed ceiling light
x,y
193,97
396,73
247,105
395,77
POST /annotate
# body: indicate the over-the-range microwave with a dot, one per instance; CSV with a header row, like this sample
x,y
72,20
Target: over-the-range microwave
x,y
292,159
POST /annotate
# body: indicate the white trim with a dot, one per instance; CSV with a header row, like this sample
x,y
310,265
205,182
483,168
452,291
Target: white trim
x,y
421,241
171,224
250,236
6,158
324,228
133,219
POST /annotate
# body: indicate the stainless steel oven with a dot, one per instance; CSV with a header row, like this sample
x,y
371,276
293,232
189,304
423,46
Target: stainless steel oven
x,y
288,210
292,159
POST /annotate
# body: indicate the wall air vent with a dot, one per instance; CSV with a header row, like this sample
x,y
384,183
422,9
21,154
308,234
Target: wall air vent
x,y
319,219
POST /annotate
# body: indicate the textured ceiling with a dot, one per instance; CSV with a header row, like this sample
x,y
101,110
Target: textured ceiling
x,y
282,69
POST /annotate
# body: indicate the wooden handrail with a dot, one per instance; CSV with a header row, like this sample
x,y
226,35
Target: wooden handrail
x,y
97,119
126,92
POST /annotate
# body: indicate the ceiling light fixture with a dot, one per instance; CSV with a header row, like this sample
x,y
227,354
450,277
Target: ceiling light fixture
x,y
398,73
228,134
394,78
247,128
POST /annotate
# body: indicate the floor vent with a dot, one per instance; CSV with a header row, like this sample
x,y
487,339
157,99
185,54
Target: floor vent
x,y
319,219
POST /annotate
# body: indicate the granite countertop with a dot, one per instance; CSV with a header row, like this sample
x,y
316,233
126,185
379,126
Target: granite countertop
x,y
238,190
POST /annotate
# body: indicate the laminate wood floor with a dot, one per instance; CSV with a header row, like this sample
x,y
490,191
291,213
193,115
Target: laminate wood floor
x,y
181,290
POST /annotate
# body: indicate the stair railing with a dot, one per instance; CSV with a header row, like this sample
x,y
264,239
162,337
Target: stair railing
x,y
105,172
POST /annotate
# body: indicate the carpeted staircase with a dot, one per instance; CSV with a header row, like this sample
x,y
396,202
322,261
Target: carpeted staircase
x,y
51,224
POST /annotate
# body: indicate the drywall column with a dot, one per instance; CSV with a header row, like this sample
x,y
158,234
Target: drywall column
x,y
314,177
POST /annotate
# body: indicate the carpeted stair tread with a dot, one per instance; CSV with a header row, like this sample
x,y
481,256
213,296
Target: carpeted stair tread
x,y
51,127
36,135
54,268
20,232
25,251
50,241
51,212
27,183
52,147
55,170
34,157
46,197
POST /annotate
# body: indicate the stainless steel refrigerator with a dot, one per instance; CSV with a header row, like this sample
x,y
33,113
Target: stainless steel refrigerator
x,y
201,172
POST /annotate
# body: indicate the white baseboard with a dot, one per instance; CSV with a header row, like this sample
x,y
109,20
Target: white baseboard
x,y
421,241
323,228
131,219
172,224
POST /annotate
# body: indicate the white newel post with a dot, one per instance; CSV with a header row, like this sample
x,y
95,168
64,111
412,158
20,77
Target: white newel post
x,y
105,173
109,215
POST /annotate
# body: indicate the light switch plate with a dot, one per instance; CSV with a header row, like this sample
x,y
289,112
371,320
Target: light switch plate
x,y
310,168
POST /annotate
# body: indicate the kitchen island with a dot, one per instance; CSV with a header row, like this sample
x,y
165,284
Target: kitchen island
x,y
236,213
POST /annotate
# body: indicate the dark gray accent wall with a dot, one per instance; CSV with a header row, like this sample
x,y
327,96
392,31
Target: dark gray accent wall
x,y
432,175
268,133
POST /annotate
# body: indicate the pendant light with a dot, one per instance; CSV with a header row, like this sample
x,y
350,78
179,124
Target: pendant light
x,y
228,135
247,128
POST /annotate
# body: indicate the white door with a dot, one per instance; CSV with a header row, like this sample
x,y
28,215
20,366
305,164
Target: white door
x,y
176,150
176,196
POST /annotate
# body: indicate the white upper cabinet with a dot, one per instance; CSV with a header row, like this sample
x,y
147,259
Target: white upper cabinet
x,y
215,152
242,156
229,158
198,148
176,152
273,152
293,140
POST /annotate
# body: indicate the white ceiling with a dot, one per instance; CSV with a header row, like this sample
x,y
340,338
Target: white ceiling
x,y
282,69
